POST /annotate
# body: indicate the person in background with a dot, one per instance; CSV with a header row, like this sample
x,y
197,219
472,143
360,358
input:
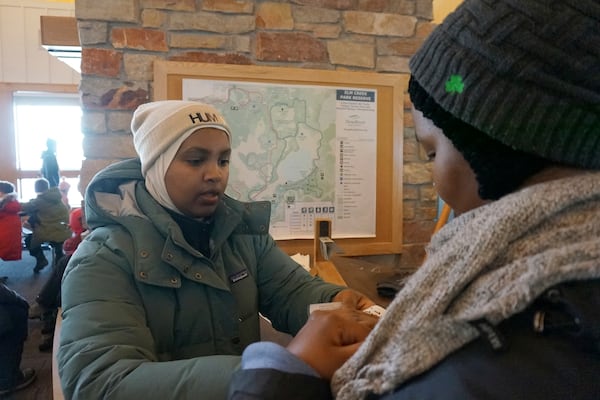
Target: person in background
x,y
166,290
50,170
506,103
63,188
47,302
48,220
78,228
13,333
10,223
11,247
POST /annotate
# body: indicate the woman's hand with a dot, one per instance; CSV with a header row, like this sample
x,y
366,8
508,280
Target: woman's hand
x,y
353,299
329,338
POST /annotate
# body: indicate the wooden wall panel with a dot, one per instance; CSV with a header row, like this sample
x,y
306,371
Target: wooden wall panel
x,y
13,44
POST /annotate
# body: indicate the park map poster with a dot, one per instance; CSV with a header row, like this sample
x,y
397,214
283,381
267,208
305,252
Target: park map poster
x,y
309,150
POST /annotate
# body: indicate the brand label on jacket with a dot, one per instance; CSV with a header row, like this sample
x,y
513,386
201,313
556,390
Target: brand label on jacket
x,y
238,276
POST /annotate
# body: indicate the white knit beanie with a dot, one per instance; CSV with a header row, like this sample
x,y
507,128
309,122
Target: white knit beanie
x,y
157,125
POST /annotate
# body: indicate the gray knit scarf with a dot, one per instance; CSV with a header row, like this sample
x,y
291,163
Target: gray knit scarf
x,y
489,263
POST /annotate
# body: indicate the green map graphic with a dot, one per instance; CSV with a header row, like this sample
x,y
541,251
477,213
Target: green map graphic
x,y
283,141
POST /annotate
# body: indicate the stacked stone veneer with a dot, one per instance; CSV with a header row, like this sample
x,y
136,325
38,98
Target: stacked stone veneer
x,y
121,38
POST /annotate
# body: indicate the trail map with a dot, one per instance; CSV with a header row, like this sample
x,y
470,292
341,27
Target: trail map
x,y
309,150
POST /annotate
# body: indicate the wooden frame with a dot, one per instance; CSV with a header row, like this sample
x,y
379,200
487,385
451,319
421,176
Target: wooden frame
x,y
168,80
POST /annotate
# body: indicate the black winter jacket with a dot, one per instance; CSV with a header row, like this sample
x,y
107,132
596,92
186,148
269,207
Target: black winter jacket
x,y
13,307
549,351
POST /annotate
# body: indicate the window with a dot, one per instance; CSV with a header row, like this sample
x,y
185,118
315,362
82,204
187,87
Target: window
x,y
37,117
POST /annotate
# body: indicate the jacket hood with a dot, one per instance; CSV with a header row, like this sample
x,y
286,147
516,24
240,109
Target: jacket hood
x,y
105,195
9,198
51,196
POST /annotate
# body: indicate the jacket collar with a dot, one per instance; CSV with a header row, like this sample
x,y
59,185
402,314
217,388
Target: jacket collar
x,y
117,195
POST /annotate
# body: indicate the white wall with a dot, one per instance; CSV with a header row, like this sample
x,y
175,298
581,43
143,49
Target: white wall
x,y
22,57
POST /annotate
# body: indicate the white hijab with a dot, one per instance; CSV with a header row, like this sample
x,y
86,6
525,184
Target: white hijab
x,y
155,176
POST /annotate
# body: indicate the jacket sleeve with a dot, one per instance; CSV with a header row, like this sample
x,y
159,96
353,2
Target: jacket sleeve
x,y
11,298
269,371
271,384
10,303
30,207
5,322
286,288
106,349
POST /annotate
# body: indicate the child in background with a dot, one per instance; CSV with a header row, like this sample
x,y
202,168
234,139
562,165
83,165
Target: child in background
x,y
64,187
50,169
10,223
47,301
78,227
48,218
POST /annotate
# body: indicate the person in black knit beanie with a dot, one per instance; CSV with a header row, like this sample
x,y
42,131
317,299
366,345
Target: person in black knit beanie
x,y
506,104
499,169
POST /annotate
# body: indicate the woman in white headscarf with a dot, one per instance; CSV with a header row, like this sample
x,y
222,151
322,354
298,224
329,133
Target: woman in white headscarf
x,y
162,297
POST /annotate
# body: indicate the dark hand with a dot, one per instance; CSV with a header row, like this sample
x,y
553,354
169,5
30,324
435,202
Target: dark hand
x,y
353,299
329,338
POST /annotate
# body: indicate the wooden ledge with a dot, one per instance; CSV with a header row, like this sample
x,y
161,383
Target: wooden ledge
x,y
59,31
327,271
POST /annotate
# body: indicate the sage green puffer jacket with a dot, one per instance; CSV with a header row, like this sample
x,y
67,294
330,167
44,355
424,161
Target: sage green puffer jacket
x,y
145,316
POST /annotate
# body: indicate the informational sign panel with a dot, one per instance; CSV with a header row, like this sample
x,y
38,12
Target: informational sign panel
x,y
316,144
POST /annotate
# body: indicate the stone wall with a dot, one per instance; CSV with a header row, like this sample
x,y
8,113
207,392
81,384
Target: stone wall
x,y
121,39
